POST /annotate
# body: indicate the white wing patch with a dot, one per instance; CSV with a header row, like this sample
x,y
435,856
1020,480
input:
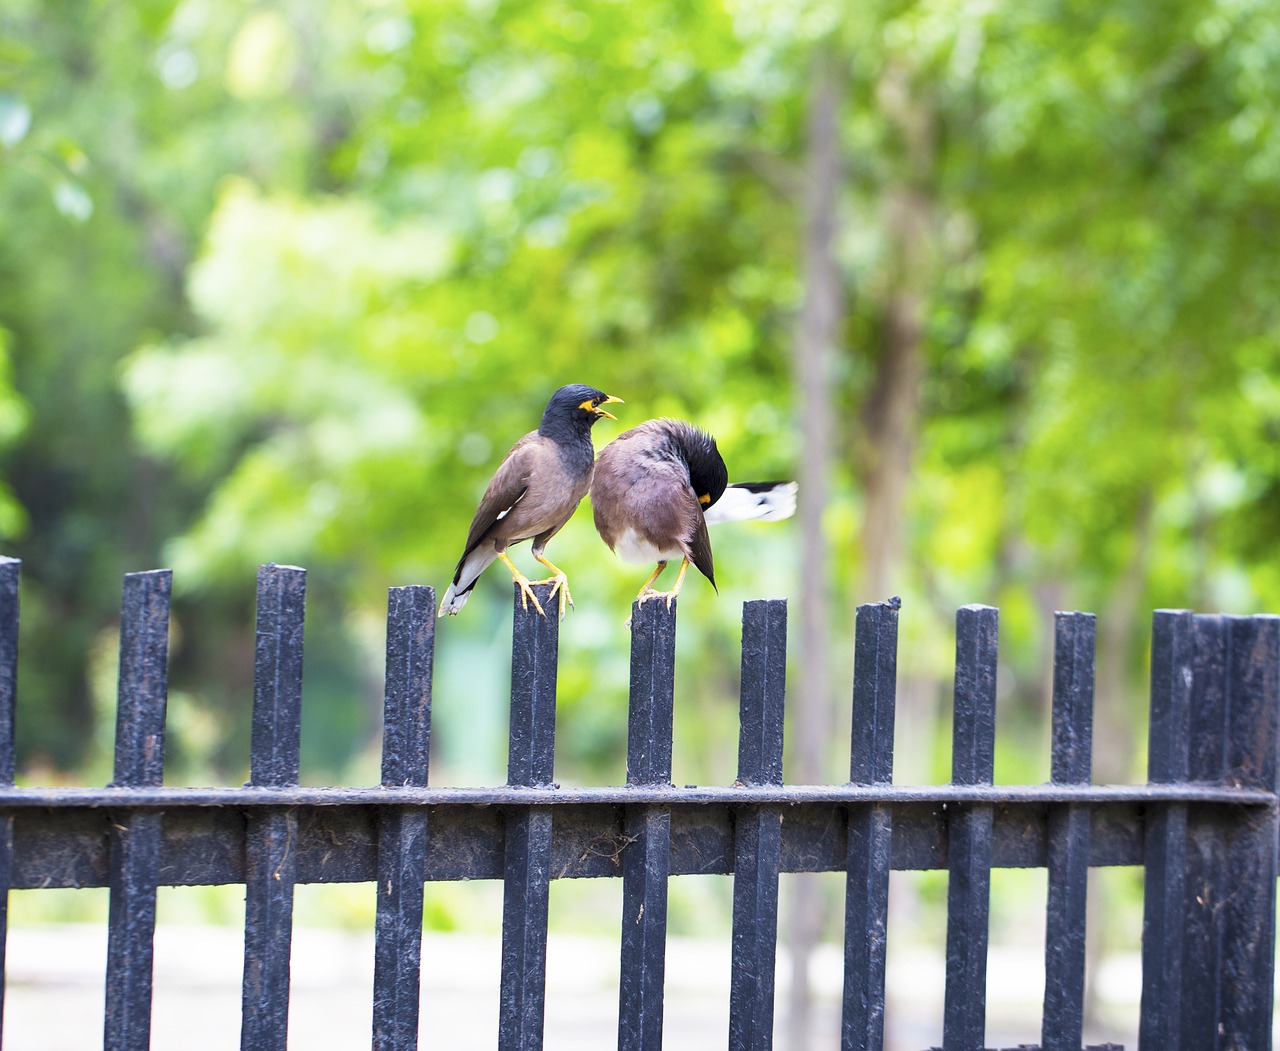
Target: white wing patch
x,y
503,514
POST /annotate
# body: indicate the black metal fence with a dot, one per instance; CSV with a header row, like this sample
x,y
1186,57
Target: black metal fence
x,y
1204,826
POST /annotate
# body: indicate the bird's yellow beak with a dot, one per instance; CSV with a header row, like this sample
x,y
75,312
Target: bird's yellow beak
x,y
609,400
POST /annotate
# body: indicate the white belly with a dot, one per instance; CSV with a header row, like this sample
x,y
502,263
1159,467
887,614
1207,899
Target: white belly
x,y
634,548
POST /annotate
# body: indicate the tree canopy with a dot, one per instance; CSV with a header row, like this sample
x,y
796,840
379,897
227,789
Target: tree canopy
x,y
282,282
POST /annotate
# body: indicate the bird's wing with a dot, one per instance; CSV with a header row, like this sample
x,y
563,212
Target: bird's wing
x,y
698,548
506,489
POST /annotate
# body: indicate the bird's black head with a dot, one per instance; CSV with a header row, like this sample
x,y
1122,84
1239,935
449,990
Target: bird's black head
x,y
574,409
707,472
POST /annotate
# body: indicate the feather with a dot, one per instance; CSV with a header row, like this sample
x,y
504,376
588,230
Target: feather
x,y
761,501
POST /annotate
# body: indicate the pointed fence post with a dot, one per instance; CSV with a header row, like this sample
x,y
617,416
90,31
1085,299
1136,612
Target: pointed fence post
x,y
646,861
402,830
1075,636
527,853
135,837
969,831
271,857
1165,860
9,572
866,901
758,830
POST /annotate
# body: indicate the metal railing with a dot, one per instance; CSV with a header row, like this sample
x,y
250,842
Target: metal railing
x,y
1204,827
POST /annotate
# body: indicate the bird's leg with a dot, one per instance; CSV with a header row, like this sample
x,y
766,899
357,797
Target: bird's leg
x,y
647,593
559,582
526,592
648,584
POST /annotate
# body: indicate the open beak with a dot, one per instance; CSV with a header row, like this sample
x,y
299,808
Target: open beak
x,y
610,400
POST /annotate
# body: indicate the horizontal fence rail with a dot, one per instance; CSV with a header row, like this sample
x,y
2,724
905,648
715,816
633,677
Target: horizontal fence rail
x,y
1204,827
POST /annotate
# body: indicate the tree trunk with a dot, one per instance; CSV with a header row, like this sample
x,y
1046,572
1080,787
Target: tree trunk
x,y
892,409
817,336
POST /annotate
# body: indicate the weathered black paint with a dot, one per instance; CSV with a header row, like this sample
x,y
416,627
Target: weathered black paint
x,y
402,832
270,843
870,838
1205,824
1075,641
9,571
969,831
527,850
645,843
135,837
758,830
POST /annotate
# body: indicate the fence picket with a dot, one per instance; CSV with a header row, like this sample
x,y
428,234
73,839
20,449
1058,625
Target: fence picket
x,y
1075,642
271,856
135,837
527,850
1249,865
1165,859
1204,826
10,568
402,831
969,831
758,830
646,859
869,853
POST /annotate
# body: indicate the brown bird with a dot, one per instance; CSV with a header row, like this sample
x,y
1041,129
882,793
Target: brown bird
x,y
656,488
535,490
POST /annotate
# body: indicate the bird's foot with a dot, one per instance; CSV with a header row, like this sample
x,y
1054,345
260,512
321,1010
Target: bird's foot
x,y
559,586
649,593
527,595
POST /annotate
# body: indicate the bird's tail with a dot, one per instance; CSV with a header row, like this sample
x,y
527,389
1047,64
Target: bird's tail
x,y
765,501
464,579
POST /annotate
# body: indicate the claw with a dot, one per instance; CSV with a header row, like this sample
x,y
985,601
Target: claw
x,y
558,581
559,585
525,586
527,595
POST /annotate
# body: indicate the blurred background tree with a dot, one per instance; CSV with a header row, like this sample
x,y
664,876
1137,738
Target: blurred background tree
x,y
281,281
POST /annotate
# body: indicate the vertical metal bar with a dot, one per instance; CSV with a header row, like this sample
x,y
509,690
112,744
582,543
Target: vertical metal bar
x,y
866,899
1165,852
758,830
646,861
402,831
1249,929
1202,911
969,830
270,857
135,837
10,569
1075,638
527,864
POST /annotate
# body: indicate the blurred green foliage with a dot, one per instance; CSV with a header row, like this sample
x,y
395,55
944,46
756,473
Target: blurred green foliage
x,y
282,281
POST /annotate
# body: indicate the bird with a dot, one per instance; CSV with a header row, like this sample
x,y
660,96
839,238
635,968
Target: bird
x,y
532,494
657,487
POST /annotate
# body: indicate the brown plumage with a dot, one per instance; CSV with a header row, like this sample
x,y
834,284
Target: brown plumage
x,y
651,495
533,493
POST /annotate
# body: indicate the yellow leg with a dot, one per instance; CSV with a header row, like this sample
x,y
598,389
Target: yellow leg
x,y
648,584
559,581
526,592
645,594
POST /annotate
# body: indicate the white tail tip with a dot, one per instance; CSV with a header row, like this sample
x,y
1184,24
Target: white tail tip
x,y
452,602
762,501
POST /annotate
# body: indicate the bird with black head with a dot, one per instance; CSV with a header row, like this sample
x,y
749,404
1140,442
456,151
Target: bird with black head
x,y
533,493
656,489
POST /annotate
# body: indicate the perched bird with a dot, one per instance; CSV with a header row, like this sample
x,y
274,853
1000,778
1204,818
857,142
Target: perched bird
x,y
656,488
535,490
